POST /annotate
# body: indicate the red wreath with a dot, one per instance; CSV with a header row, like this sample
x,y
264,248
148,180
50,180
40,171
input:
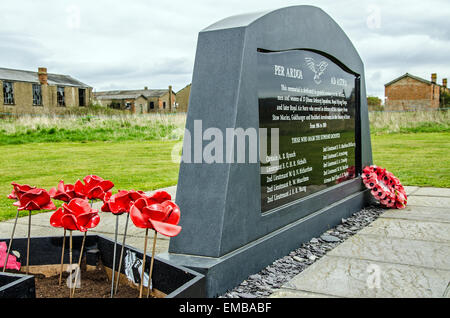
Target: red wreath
x,y
385,187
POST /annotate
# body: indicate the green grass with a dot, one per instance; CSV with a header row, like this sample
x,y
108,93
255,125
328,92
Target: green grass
x,y
135,151
130,165
40,129
420,159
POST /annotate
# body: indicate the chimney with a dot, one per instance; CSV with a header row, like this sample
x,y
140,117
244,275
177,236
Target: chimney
x,y
433,78
444,82
43,76
170,97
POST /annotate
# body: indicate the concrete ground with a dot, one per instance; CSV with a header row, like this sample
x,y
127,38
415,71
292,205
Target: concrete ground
x,y
41,227
403,254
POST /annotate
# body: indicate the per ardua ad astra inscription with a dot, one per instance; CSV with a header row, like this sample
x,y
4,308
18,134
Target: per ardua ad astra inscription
x,y
311,100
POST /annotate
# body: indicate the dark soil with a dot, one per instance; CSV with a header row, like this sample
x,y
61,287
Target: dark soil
x,y
94,284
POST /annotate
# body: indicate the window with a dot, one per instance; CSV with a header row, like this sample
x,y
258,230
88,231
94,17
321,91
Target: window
x,y
164,105
82,97
151,106
8,93
61,96
37,95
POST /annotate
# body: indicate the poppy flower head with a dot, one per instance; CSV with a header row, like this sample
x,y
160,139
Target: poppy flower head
x,y
65,192
35,200
162,217
18,190
77,215
94,187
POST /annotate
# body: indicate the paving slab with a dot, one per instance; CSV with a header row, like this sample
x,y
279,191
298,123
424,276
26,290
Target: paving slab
x,y
395,250
434,192
409,229
431,201
415,213
292,293
346,277
411,189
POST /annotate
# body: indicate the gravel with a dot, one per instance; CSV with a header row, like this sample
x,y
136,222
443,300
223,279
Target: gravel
x,y
274,276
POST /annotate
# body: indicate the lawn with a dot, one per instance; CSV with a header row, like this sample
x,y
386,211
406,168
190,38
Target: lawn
x,y
420,159
145,165
135,151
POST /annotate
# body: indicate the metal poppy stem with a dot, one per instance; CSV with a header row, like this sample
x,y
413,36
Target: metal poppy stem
x,y
114,256
143,264
62,258
121,253
70,267
150,285
29,241
79,265
10,242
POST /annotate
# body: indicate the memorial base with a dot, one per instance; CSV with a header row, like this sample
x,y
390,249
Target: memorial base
x,y
225,273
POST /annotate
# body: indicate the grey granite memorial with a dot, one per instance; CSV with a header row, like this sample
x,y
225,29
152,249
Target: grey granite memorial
x,y
289,86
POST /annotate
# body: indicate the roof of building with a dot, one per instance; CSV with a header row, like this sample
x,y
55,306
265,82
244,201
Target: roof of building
x,y
33,77
131,94
410,76
187,86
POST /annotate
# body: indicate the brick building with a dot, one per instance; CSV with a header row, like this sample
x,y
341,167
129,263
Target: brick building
x,y
409,92
26,92
139,101
183,98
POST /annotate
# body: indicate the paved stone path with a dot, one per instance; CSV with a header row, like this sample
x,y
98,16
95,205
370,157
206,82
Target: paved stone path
x,y
41,227
405,253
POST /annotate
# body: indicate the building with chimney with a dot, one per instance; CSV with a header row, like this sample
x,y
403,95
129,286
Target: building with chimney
x,y
409,92
141,101
183,98
27,92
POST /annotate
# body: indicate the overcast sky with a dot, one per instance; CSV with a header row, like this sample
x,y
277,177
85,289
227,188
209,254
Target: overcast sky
x,y
131,44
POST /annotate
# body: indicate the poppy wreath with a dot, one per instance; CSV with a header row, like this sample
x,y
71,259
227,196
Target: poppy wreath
x,y
385,187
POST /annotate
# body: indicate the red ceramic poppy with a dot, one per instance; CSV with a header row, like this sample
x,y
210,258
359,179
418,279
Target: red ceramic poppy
x,y
93,188
65,192
12,264
121,202
385,187
162,217
35,200
19,190
77,215
160,196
